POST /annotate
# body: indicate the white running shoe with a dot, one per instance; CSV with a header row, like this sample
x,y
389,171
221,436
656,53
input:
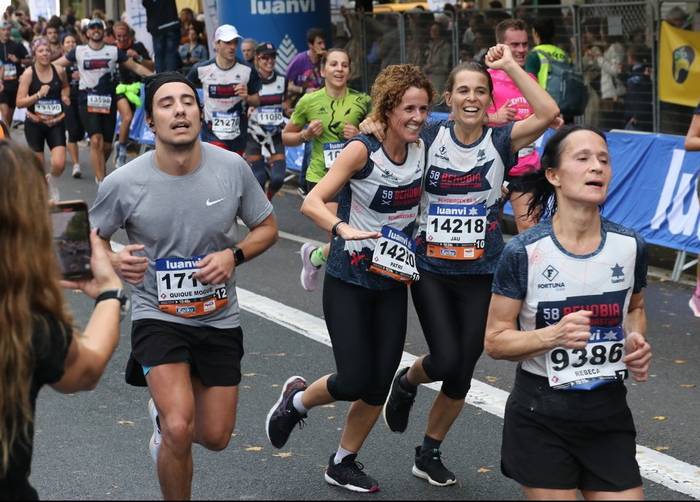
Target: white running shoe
x,y
154,443
54,194
76,173
309,273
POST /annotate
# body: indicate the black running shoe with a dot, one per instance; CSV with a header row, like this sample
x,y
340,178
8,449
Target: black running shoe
x,y
428,466
283,416
349,474
398,404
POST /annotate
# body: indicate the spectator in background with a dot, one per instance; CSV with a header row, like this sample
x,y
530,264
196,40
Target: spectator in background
x,y
124,36
13,57
591,48
187,19
40,345
248,46
193,51
476,21
612,87
483,39
439,57
53,29
678,18
303,72
163,24
304,76
692,144
639,104
543,30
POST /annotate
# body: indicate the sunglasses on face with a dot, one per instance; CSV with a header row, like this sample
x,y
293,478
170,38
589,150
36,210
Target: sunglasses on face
x,y
267,57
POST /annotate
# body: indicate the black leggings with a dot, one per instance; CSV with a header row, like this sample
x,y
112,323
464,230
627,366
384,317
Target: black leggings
x,y
452,310
367,329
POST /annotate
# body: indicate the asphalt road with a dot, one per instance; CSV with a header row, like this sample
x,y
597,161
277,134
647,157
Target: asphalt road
x,y
95,445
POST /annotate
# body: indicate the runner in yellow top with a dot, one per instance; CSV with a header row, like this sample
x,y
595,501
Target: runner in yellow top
x,y
331,115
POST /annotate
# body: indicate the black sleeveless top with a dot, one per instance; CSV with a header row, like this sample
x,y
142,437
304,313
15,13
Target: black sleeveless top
x,y
47,104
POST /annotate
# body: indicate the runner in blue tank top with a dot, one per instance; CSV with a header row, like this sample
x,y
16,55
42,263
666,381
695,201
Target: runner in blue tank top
x,y
371,260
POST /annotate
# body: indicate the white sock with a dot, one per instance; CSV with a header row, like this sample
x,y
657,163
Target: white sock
x,y
341,454
298,405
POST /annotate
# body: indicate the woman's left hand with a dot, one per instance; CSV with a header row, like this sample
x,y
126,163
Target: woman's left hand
x,y
638,356
499,57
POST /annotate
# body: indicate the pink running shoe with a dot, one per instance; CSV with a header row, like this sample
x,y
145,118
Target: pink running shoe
x,y
694,304
309,273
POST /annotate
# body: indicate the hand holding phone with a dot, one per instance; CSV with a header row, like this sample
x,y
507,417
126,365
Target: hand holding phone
x,y
71,237
103,275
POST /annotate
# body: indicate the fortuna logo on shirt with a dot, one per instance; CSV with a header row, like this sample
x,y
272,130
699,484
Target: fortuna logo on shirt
x,y
606,309
220,91
442,154
617,274
450,182
550,273
393,199
96,64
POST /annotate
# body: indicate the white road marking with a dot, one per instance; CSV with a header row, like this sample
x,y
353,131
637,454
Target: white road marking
x,y
655,466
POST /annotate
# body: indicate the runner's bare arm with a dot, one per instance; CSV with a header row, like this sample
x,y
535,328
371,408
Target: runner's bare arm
x,y
137,68
62,61
23,99
692,138
504,340
544,108
350,160
638,350
89,352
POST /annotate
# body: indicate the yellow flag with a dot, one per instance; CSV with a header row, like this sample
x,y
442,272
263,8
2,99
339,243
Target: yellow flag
x,y
679,66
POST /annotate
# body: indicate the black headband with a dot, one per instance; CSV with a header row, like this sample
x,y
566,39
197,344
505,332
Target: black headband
x,y
154,82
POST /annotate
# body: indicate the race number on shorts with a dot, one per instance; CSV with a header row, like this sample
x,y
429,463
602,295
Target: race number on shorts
x,y
226,125
48,107
456,231
10,72
395,256
331,151
601,359
180,293
99,103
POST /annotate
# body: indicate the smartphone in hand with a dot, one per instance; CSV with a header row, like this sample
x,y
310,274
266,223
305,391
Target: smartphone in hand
x,y
71,237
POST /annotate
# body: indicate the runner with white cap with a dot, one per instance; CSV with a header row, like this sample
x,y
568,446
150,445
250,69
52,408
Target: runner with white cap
x,y
228,86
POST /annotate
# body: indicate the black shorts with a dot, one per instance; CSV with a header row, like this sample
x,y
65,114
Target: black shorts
x,y
99,123
214,354
37,134
8,96
552,440
74,126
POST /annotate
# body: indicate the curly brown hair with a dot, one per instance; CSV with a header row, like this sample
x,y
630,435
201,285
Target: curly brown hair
x,y
390,86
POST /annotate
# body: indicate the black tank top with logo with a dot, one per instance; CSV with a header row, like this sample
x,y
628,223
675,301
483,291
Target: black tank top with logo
x,y
50,104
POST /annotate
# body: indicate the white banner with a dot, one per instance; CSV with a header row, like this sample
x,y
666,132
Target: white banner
x,y
44,8
211,23
136,17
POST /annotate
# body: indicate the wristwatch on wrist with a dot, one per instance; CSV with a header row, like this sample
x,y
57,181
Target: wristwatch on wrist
x,y
238,256
118,294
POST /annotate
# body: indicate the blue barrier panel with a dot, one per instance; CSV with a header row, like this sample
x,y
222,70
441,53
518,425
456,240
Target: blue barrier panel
x,y
653,188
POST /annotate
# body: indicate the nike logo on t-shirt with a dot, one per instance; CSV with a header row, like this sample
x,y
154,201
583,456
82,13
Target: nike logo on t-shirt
x,y
212,202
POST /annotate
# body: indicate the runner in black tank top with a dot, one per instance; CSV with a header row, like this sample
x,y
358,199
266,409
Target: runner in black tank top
x,y
44,100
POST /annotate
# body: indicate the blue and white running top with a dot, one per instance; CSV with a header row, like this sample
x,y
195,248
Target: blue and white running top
x,y
552,283
457,230
224,109
382,194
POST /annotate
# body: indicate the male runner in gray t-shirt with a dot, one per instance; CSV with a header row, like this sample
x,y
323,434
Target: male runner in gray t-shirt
x,y
178,205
